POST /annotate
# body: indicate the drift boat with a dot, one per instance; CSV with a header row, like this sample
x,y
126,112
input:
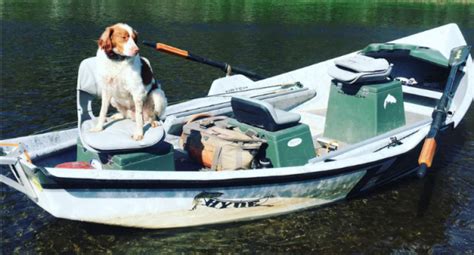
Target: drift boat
x,y
309,137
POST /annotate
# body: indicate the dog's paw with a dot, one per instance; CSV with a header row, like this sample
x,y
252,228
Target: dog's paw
x,y
155,124
117,116
96,129
137,136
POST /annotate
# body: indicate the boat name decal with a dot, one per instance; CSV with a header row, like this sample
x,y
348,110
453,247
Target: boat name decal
x,y
232,90
211,199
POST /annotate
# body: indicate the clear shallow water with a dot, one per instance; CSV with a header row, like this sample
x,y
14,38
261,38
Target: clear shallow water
x,y
43,43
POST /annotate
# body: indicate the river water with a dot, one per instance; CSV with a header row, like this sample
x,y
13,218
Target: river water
x,y
43,43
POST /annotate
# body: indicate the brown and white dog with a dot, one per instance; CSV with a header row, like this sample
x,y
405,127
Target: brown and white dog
x,y
126,81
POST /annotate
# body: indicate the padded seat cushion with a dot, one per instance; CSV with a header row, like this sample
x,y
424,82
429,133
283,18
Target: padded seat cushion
x,y
117,135
360,68
262,114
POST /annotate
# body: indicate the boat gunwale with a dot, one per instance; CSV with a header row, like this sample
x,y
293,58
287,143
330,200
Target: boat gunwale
x,y
179,184
299,173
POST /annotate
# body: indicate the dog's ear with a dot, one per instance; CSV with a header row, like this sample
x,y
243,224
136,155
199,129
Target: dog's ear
x,y
105,42
135,36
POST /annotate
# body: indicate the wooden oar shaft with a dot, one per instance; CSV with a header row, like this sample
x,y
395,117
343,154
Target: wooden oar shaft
x,y
190,56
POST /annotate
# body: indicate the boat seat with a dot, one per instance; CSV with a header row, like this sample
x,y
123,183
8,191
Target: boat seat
x,y
262,114
117,135
360,69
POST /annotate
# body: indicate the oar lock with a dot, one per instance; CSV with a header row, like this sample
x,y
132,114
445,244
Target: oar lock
x,y
228,69
394,142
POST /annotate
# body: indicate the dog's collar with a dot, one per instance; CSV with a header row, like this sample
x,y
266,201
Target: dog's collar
x,y
116,57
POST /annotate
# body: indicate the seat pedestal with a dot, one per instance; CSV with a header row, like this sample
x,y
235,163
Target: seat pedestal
x,y
159,157
291,146
358,112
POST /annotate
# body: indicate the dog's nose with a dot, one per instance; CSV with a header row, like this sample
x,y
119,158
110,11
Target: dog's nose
x,y
135,50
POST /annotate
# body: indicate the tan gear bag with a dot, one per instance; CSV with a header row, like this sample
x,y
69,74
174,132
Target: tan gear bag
x,y
213,143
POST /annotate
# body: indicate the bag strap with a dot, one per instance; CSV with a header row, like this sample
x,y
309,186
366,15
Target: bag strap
x,y
232,135
250,146
217,156
239,159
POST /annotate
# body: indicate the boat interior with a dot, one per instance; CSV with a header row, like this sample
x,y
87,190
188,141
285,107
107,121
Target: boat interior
x,y
385,87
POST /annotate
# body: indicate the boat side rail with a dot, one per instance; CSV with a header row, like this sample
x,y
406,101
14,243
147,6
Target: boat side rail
x,y
421,92
13,159
353,147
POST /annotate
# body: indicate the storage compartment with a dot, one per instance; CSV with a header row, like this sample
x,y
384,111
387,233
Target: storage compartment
x,y
287,147
428,67
360,111
159,157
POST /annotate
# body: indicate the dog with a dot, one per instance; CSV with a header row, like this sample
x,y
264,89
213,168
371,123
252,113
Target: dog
x,y
126,81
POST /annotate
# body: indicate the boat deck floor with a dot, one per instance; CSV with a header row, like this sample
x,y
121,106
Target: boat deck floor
x,y
410,117
315,119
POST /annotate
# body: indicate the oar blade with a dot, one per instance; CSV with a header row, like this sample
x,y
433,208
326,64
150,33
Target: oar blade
x,y
459,55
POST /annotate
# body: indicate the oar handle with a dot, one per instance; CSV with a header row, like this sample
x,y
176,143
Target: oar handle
x,y
427,152
167,49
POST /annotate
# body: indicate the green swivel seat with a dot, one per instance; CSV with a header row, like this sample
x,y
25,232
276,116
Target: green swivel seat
x,y
288,142
363,101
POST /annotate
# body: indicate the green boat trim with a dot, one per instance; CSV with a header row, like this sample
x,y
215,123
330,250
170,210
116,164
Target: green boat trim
x,y
419,52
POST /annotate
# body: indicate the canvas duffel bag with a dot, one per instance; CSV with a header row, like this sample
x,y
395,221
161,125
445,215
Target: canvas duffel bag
x,y
214,144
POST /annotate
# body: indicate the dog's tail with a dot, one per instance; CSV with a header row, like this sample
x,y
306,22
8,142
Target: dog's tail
x,y
159,101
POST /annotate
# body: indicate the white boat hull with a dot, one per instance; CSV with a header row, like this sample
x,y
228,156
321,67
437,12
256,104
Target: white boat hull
x,y
152,208
179,199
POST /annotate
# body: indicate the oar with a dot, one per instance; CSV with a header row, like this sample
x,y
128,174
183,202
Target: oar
x,y
457,60
190,56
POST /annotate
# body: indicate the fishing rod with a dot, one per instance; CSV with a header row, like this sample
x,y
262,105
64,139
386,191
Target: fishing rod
x,y
193,57
457,60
